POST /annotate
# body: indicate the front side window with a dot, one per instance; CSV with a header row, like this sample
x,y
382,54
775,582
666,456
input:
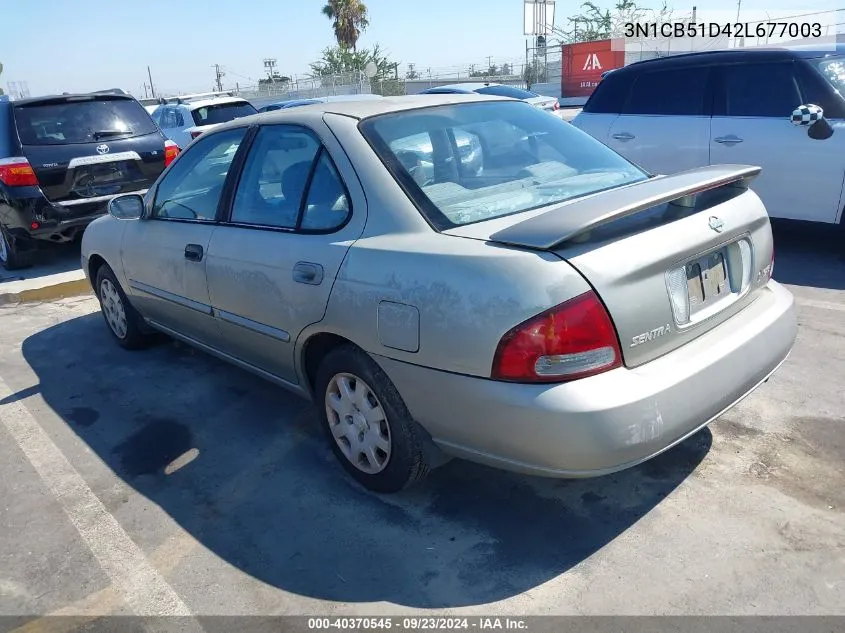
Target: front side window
x,y
760,90
222,113
471,162
191,189
81,120
676,92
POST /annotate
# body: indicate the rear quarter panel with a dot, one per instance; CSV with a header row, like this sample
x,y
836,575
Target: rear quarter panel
x,y
104,238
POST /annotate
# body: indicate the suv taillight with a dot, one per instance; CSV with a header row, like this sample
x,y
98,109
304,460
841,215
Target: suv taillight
x,y
17,172
171,150
556,105
572,340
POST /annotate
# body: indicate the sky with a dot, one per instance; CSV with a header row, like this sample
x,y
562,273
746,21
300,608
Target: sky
x,y
82,45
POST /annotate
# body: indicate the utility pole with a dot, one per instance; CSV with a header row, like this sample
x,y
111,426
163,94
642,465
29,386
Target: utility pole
x,y
270,66
152,87
489,62
146,92
218,76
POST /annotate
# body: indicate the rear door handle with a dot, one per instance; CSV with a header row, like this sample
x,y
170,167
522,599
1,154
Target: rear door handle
x,y
308,273
624,136
193,253
728,140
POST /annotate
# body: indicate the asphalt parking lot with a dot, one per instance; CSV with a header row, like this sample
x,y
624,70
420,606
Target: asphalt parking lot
x,y
165,481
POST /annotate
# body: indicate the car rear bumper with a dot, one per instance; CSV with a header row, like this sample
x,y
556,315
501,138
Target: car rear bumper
x,y
608,422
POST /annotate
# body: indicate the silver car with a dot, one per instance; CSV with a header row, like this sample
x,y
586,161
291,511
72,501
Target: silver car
x,y
557,312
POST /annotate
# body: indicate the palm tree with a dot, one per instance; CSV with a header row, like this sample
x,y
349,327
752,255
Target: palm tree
x,y
349,20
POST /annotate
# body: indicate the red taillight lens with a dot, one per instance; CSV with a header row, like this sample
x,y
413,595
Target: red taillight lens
x,y
570,341
171,150
17,172
557,105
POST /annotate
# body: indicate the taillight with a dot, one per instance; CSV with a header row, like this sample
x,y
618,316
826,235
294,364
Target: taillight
x,y
556,106
572,340
195,134
17,172
171,150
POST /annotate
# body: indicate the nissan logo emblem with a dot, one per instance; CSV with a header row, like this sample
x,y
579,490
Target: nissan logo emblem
x,y
103,149
716,224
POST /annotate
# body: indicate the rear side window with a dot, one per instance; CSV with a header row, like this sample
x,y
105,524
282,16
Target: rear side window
x,y
676,91
5,136
222,113
760,90
610,95
506,91
85,120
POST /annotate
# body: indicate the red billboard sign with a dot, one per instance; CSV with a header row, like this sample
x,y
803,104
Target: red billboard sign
x,y
583,64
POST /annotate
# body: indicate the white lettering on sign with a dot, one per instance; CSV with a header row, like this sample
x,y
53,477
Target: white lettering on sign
x,y
592,62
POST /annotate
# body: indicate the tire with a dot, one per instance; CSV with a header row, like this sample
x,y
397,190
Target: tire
x,y
11,256
397,446
113,303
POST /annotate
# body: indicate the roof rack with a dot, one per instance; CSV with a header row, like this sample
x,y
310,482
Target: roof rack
x,y
198,95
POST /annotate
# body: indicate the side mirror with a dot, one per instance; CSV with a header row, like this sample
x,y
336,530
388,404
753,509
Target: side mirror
x,y
127,207
812,117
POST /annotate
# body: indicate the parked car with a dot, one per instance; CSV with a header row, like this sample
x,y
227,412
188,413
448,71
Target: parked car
x,y
62,158
781,109
295,103
562,314
184,118
499,90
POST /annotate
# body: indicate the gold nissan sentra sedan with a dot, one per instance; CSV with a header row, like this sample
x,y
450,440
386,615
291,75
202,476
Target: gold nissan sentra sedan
x,y
454,275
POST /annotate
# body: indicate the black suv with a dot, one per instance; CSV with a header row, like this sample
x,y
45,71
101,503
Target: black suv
x,y
63,157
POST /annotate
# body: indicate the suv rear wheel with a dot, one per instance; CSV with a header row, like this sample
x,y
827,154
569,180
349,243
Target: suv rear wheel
x,y
12,257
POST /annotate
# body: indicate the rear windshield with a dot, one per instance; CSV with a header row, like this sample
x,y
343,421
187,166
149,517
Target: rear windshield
x,y
506,91
222,113
82,121
471,162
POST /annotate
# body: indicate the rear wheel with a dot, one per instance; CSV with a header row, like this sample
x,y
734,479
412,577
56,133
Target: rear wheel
x,y
124,322
12,256
367,423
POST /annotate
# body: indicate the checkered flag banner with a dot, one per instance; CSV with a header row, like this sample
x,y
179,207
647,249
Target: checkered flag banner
x,y
806,114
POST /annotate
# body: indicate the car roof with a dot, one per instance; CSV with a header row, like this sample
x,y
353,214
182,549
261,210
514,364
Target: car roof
x,y
71,97
469,86
202,103
772,53
365,108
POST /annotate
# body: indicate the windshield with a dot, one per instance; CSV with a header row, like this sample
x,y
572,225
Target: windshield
x,y
833,69
476,161
222,113
506,91
81,121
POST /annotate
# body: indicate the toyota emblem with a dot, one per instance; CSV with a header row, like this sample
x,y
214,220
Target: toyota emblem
x,y
716,224
103,149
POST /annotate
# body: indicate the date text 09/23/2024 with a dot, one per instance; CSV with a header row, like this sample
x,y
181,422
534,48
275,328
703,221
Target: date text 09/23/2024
x,y
750,30
416,623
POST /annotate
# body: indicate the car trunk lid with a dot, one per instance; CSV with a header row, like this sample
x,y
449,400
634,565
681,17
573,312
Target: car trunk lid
x,y
671,257
89,147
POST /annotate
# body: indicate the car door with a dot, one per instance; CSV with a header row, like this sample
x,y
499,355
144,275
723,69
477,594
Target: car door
x,y
802,177
605,105
665,125
164,254
296,210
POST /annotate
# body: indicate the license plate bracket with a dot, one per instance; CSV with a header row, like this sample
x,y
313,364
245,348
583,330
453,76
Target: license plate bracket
x,y
707,280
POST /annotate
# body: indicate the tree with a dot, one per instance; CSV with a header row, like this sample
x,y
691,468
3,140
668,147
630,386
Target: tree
x,y
336,60
349,20
594,23
412,72
275,79
507,70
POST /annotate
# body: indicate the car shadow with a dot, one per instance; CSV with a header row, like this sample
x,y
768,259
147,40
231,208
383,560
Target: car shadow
x,y
809,255
50,259
259,487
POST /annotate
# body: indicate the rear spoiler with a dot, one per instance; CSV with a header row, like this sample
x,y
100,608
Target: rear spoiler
x,y
572,219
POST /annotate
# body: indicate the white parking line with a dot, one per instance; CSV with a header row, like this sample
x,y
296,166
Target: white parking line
x,y
822,305
144,590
